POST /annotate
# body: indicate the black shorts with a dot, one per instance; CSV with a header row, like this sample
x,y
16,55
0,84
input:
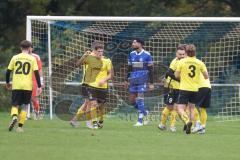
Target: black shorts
x,y
20,97
204,97
170,96
186,97
84,90
98,94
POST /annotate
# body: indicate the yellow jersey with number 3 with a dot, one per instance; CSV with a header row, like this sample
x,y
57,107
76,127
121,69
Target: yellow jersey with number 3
x,y
23,66
204,83
190,69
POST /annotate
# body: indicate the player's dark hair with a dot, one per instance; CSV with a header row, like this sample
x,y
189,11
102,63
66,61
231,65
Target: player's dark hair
x,y
191,50
25,44
139,40
181,47
97,45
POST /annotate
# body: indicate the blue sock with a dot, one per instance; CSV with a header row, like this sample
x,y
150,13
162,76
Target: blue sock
x,y
135,105
140,116
140,104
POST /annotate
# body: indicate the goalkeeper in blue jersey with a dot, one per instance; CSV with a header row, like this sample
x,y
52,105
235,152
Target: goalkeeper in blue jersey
x,y
139,78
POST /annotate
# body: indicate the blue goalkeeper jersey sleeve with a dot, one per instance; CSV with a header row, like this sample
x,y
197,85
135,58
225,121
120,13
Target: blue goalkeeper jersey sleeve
x,y
139,62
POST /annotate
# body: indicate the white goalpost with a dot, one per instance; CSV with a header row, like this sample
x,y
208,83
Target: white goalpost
x,y
61,40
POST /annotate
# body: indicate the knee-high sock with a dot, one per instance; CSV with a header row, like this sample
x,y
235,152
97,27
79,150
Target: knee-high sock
x,y
22,118
173,118
140,116
135,105
14,111
23,115
203,116
184,117
164,116
101,113
79,114
140,104
93,112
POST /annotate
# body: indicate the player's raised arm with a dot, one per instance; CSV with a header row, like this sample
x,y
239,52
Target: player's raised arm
x,y
83,58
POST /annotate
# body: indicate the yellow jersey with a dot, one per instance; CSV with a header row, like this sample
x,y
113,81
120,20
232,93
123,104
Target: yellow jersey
x,y
173,66
204,82
91,67
103,73
190,69
23,66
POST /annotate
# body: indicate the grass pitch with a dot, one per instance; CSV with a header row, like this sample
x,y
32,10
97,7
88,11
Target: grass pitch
x,y
118,140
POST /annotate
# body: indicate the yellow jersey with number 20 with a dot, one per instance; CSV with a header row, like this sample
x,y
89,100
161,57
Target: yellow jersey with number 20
x,y
23,66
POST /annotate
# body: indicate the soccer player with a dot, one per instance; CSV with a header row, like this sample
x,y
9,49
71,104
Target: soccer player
x,y
203,102
34,99
189,71
140,75
171,91
98,89
23,66
90,61
98,70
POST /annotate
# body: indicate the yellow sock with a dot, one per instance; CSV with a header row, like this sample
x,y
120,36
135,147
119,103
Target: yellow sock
x,y
88,115
196,115
22,117
173,118
187,110
79,113
101,113
203,116
185,117
93,113
164,116
14,111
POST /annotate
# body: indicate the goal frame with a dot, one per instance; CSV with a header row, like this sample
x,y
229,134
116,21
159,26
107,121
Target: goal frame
x,y
49,19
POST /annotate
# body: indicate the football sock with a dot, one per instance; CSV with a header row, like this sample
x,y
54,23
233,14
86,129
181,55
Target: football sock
x,y
140,104
164,116
79,114
93,113
22,118
203,116
101,114
14,111
173,118
184,117
140,116
135,105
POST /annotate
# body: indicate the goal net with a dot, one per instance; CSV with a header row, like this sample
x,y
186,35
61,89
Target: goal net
x,y
60,41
